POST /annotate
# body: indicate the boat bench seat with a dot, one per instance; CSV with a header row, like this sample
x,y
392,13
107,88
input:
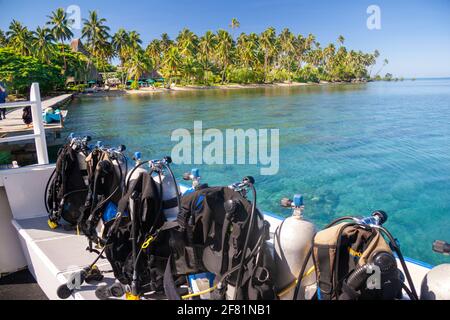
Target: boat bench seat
x,y
53,255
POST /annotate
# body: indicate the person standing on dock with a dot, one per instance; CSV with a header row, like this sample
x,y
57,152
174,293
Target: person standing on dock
x,y
3,96
27,116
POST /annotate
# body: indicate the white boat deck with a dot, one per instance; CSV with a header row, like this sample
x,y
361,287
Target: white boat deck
x,y
53,255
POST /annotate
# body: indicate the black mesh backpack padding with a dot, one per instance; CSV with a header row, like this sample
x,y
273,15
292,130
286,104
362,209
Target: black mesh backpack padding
x,y
145,205
211,239
117,251
104,187
68,184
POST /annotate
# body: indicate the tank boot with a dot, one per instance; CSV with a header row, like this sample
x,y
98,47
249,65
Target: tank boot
x,y
116,290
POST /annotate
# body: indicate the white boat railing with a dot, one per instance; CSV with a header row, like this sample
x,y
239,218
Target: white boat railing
x,y
38,125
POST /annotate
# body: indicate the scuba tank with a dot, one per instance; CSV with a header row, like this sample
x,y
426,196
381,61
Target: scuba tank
x,y
292,241
164,181
436,283
169,196
134,174
199,283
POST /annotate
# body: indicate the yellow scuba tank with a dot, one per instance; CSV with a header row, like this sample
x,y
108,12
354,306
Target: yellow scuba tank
x,y
292,241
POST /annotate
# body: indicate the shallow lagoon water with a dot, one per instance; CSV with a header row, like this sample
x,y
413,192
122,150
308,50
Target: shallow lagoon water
x,y
349,149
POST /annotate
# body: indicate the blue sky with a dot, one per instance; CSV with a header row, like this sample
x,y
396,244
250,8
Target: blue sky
x,y
414,35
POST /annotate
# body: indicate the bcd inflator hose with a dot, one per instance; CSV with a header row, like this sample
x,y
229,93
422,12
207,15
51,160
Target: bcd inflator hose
x,y
382,261
247,181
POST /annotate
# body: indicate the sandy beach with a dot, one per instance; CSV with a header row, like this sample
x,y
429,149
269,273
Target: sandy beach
x,y
149,90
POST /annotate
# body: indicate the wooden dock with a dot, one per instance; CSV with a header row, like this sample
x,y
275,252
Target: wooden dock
x,y
14,123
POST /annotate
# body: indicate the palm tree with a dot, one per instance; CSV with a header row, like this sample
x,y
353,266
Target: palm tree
x,y
61,29
328,56
341,40
385,62
235,24
287,44
373,60
206,47
166,42
224,50
190,69
154,52
3,39
137,65
172,62
246,48
121,43
105,54
187,42
19,38
42,44
135,41
96,33
267,41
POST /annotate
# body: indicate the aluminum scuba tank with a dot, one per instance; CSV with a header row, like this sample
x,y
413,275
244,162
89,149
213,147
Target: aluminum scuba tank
x,y
436,283
137,171
292,241
169,190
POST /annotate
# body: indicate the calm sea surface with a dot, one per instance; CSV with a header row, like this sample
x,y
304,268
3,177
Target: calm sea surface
x,y
349,149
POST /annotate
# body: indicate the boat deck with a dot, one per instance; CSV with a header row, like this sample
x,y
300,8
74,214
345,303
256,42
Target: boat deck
x,y
14,123
20,285
55,255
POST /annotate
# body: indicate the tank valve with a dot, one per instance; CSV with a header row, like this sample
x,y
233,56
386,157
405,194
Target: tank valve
x,y
297,204
137,156
377,218
194,176
242,186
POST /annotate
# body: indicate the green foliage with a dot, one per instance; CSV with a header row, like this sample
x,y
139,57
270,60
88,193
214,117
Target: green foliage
x,y
279,75
245,75
135,85
77,88
307,74
388,77
211,58
19,72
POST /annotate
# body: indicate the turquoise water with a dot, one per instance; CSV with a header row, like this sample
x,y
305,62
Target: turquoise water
x,y
350,149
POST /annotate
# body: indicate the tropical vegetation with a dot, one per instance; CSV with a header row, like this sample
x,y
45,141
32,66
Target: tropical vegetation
x,y
223,56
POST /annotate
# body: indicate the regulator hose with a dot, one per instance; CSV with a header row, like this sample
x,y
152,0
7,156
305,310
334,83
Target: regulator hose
x,y
302,271
402,261
135,257
247,239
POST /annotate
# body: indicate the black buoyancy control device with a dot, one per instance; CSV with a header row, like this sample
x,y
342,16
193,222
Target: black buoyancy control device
x,y
221,232
67,188
106,176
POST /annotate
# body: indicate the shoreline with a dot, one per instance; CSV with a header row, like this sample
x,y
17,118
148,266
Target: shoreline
x,y
148,91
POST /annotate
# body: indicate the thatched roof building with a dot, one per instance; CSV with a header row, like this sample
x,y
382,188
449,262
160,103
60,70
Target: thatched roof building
x,y
89,75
